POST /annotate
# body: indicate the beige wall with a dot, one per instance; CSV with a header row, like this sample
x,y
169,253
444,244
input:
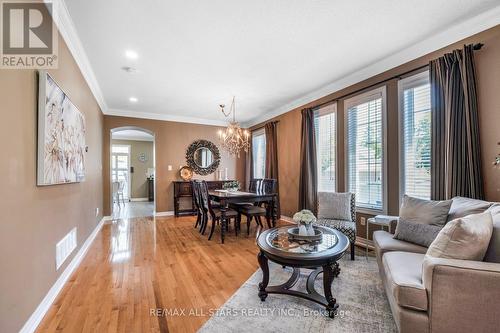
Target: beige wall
x,y
139,188
171,142
488,79
35,218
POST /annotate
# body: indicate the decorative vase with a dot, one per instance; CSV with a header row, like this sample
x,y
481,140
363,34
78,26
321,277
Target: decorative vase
x,y
310,229
302,230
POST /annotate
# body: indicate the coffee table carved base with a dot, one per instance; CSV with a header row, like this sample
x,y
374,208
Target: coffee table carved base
x,y
329,271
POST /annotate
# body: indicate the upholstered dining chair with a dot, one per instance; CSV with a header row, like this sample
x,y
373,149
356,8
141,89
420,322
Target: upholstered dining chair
x,y
338,211
215,213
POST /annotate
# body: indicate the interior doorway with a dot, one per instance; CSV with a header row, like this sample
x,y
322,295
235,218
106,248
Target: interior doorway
x,y
132,170
120,168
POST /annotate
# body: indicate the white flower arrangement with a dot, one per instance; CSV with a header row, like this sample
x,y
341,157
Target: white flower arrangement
x,y
305,216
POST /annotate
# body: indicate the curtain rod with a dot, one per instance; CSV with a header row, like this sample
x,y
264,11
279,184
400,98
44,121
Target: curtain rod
x,y
477,46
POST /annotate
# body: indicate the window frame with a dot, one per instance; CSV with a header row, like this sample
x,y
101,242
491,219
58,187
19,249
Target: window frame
x,y
409,82
380,92
258,132
323,111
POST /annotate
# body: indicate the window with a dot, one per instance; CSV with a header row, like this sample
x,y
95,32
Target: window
x,y
365,148
326,147
259,153
415,137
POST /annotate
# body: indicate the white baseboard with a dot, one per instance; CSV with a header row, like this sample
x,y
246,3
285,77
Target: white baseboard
x,y
37,316
138,199
168,213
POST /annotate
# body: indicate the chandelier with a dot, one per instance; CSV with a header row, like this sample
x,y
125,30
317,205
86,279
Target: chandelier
x,y
233,138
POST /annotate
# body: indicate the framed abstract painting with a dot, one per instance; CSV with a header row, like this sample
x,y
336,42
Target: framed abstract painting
x,y
61,135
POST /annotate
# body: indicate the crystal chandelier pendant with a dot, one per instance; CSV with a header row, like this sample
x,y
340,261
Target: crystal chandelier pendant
x,y
233,139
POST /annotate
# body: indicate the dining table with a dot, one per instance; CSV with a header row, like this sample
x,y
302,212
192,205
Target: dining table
x,y
225,197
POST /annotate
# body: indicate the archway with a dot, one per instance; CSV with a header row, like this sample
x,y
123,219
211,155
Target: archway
x,y
132,169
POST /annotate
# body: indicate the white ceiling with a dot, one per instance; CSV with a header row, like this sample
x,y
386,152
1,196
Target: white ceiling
x,y
132,135
272,55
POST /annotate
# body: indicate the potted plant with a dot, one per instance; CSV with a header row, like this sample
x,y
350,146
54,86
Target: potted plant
x,y
305,219
231,186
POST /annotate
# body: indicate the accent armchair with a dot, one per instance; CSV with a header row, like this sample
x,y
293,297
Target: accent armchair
x,y
338,211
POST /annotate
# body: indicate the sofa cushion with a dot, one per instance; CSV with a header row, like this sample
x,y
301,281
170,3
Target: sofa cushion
x,y
403,278
335,206
421,220
465,238
461,207
424,211
416,233
493,251
384,242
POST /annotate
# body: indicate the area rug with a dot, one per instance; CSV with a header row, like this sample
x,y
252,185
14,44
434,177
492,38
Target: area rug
x,y
363,306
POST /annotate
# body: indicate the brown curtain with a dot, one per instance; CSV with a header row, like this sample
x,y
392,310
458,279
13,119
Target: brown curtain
x,y
308,188
456,154
249,165
272,156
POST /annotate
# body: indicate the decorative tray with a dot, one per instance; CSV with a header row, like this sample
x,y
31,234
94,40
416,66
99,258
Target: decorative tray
x,y
293,235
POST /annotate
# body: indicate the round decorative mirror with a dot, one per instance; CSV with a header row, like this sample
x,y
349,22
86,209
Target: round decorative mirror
x,y
203,157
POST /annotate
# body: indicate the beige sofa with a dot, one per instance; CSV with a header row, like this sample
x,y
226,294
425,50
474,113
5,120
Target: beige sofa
x,y
442,295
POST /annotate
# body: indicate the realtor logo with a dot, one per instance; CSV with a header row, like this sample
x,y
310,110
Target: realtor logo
x,y
28,35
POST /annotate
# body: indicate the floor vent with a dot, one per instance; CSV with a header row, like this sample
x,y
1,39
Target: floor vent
x,y
65,247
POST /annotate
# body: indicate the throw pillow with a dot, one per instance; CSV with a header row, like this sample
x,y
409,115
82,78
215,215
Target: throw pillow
x,y
493,252
466,206
465,238
334,206
421,220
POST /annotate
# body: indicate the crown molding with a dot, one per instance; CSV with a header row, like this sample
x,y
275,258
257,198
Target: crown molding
x,y
68,32
164,117
453,34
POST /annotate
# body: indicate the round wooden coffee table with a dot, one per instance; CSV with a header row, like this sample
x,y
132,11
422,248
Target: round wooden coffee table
x,y
321,257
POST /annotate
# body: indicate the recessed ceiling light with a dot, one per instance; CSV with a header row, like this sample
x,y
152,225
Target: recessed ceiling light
x,y
133,99
131,54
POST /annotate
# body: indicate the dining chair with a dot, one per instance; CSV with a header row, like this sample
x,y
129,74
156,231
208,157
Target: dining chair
x,y
256,210
200,217
215,213
117,190
121,190
270,185
254,186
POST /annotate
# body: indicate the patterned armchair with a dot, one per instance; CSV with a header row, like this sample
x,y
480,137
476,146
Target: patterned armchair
x,y
338,211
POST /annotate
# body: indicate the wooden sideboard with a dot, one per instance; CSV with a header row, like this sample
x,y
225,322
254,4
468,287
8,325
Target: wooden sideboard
x,y
183,189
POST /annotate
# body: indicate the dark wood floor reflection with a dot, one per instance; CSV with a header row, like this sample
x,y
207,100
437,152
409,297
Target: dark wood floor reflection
x,y
138,265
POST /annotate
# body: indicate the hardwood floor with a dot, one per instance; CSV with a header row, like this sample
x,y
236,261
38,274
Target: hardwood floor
x,y
138,265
